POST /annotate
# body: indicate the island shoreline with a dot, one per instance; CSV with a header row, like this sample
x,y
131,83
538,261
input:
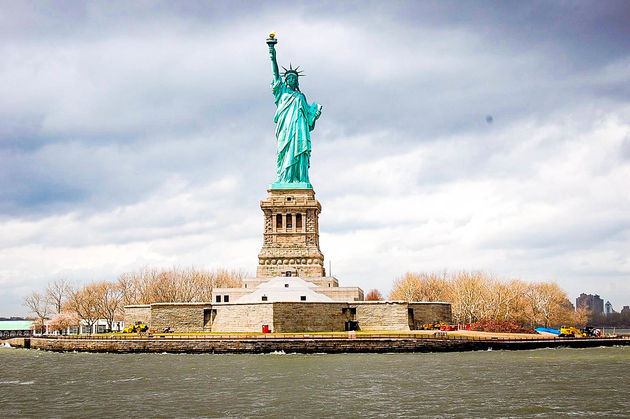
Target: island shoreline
x,y
304,345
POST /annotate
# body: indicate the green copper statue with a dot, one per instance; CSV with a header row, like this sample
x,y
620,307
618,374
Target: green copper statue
x,y
294,119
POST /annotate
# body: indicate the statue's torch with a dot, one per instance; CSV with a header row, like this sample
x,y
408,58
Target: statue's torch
x,y
271,41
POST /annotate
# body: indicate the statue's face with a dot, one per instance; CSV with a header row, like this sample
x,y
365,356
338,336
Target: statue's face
x,y
292,81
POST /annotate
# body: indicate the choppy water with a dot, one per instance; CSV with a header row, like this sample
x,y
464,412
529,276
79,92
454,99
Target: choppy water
x,y
537,383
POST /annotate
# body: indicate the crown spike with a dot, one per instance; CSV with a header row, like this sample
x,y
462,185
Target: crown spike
x,y
295,70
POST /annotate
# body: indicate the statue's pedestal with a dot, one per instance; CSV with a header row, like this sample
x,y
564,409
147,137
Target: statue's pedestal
x,y
291,235
294,185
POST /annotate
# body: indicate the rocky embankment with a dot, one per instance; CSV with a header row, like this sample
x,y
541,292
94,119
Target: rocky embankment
x,y
304,344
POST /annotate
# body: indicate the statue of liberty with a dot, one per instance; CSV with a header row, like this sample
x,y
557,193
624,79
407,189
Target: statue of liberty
x,y
294,119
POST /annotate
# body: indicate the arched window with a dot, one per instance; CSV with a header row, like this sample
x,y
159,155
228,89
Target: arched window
x,y
279,221
298,221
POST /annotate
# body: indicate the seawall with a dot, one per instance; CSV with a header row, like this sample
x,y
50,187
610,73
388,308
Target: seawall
x,y
300,345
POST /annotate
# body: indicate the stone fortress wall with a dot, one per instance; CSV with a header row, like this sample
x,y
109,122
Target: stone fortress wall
x,y
288,317
430,313
241,317
342,293
188,317
309,317
137,313
383,315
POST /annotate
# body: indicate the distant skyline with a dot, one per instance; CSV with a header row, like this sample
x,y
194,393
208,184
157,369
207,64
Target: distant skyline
x,y
488,136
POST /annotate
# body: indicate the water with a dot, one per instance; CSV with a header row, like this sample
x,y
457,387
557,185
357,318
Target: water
x,y
536,383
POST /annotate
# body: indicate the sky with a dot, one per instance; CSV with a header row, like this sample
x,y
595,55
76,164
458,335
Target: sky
x,y
454,136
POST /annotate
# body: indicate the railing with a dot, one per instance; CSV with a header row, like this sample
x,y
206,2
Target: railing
x,y
316,336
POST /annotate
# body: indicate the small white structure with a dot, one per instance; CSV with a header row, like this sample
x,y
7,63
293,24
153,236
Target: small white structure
x,y
100,326
284,289
291,288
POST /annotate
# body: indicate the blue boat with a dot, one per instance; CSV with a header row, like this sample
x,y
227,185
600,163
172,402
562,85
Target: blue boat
x,y
547,330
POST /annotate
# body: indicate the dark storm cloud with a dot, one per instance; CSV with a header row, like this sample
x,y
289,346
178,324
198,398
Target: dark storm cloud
x,y
135,74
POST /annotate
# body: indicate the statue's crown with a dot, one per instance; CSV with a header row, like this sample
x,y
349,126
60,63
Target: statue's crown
x,y
292,70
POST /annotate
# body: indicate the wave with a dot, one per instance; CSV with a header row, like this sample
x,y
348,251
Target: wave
x,y
18,382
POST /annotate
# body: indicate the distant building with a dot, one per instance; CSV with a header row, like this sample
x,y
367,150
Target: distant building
x,y
100,326
15,328
625,309
608,308
19,328
590,302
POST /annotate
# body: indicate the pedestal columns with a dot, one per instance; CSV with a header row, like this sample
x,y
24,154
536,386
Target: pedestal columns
x,y
287,246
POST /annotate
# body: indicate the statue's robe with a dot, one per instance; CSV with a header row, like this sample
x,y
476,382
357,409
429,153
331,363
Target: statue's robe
x,y
294,119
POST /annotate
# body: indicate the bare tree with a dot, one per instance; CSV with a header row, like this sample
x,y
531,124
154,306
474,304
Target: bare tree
x,y
469,295
580,317
546,303
57,293
406,288
109,299
38,305
84,302
151,285
481,296
420,287
512,301
130,287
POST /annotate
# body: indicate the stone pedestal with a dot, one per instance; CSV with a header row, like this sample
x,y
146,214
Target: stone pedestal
x,y
291,235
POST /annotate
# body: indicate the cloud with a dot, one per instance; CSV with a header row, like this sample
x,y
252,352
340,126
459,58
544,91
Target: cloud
x,y
524,211
142,133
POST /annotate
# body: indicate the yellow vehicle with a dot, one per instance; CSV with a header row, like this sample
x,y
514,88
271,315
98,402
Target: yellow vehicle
x,y
571,332
135,328
435,326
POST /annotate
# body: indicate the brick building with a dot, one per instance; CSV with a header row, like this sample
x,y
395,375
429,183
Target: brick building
x,y
590,302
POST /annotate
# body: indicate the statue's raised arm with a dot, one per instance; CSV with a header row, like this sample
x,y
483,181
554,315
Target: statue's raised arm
x,y
294,119
272,41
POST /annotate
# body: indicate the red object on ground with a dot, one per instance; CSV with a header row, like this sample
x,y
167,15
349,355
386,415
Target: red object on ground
x,y
265,328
